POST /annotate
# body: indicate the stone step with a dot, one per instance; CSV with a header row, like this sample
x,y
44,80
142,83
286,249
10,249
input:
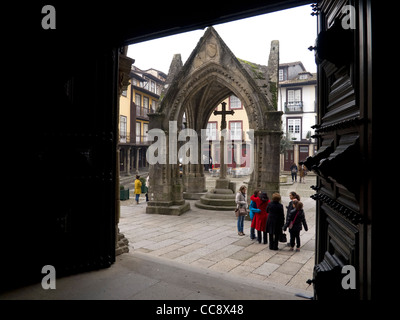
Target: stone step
x,y
198,204
217,202
193,195
175,210
220,196
221,191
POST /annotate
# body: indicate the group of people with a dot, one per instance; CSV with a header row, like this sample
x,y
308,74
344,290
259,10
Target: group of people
x,y
301,169
267,216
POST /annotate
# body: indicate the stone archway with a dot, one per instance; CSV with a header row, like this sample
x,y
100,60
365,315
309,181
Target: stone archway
x,y
211,74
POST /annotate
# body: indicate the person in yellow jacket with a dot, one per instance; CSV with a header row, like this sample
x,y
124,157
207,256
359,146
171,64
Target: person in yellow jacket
x,y
138,188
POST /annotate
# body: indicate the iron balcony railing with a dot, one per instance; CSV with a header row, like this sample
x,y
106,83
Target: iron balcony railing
x,y
143,112
132,139
294,107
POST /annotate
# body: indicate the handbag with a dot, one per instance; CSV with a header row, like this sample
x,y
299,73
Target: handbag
x,y
292,222
282,237
240,211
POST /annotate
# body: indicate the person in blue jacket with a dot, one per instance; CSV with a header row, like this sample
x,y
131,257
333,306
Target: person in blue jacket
x,y
253,209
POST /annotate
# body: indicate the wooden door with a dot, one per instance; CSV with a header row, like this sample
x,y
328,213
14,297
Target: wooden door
x,y
303,152
343,130
289,159
66,215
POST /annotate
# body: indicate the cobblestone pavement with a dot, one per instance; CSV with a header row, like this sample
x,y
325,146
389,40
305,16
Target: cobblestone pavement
x,y
209,239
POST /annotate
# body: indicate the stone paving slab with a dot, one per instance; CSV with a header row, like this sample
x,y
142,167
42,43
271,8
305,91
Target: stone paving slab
x,y
208,239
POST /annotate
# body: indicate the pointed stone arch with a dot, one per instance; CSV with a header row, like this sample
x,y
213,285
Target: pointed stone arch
x,y
211,74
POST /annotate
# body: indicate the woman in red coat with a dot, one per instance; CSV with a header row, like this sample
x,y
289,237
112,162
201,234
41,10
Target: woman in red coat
x,y
260,218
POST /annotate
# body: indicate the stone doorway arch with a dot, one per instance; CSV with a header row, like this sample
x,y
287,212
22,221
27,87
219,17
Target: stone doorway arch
x,y
211,74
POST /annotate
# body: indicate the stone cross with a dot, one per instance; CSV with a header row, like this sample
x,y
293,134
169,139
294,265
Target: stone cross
x,y
223,113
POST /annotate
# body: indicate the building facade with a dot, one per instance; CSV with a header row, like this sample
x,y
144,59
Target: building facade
x,y
238,150
136,103
297,101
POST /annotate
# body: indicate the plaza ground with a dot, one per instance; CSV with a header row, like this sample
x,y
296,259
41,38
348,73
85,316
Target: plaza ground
x,y
209,239
195,256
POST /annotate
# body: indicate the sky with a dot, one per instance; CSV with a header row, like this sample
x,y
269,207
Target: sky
x,y
249,39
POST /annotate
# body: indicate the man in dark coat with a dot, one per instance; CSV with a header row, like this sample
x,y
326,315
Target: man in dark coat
x,y
275,222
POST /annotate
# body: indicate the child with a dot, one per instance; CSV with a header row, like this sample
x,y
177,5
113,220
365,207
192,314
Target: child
x,y
294,222
294,197
254,208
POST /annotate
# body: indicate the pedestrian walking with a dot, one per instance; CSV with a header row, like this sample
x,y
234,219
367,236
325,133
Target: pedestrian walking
x,y
302,172
138,188
294,223
275,221
241,202
293,170
253,208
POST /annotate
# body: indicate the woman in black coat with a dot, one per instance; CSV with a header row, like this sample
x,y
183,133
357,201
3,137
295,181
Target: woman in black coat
x,y
298,218
275,222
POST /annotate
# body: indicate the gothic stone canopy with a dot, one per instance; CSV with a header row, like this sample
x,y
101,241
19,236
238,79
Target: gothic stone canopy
x,y
211,74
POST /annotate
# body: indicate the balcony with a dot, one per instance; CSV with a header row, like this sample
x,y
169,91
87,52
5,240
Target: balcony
x,y
143,113
294,107
127,138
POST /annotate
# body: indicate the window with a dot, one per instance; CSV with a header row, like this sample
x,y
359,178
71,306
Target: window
x,y
145,131
138,132
235,128
293,97
211,131
153,106
294,129
122,129
280,74
145,104
138,100
146,84
234,103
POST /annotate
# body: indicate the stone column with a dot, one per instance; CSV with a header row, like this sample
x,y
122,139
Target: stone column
x,y
137,160
128,161
166,187
193,177
265,175
124,65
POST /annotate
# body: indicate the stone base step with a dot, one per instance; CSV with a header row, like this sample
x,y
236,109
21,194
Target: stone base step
x,y
175,210
221,191
193,195
216,208
220,196
217,201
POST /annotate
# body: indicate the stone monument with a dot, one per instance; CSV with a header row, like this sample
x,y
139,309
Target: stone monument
x,y
212,73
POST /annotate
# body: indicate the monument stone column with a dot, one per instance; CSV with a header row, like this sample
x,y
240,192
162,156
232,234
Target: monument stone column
x,y
222,182
193,177
265,174
222,197
166,187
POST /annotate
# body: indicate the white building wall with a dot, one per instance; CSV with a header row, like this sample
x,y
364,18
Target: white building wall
x,y
308,115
